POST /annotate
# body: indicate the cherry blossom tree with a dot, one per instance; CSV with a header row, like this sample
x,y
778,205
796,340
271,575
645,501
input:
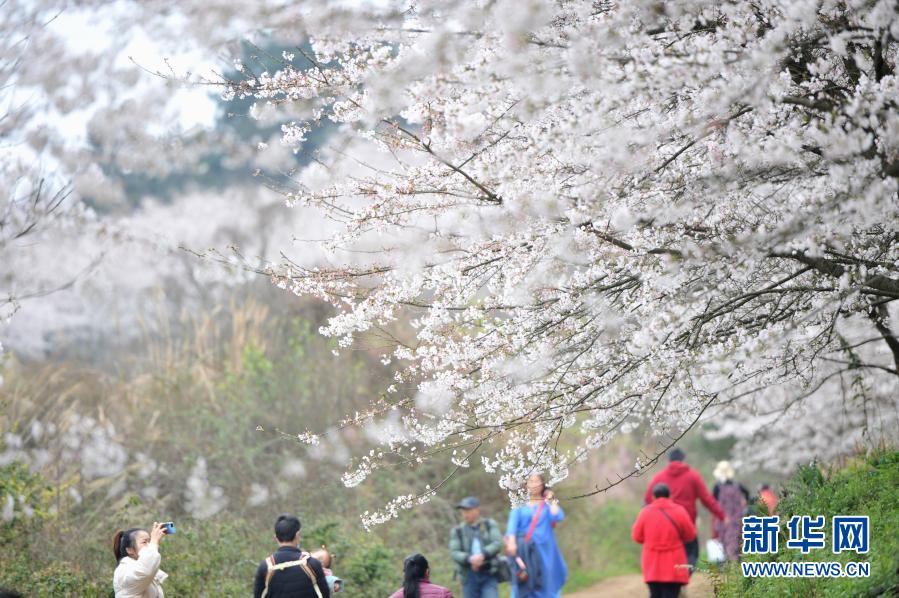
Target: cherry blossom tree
x,y
31,202
86,120
599,215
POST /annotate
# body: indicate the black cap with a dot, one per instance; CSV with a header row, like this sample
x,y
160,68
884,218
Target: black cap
x,y
469,502
676,454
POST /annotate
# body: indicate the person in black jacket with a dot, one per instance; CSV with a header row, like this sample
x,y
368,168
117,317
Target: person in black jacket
x,y
290,572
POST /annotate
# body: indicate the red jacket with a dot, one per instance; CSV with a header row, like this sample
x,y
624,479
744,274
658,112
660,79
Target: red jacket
x,y
686,486
664,557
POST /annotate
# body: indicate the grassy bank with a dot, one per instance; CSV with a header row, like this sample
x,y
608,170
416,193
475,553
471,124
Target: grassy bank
x,y
866,486
597,543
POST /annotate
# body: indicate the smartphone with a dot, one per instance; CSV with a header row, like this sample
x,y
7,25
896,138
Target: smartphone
x,y
169,527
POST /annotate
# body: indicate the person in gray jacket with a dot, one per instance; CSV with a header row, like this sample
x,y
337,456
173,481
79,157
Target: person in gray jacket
x,y
476,545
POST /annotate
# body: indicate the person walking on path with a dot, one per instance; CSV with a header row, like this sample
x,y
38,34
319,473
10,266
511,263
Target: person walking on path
x,y
416,580
664,527
290,572
734,499
530,536
475,546
137,552
686,486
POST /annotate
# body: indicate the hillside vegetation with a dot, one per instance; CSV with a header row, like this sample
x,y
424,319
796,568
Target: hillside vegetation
x,y
200,427
865,486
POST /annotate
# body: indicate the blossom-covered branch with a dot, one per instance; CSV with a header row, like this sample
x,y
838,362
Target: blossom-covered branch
x,y
598,214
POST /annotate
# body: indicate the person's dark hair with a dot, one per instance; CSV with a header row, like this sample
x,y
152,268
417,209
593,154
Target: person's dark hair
x,y
676,454
123,540
286,528
764,487
9,594
415,569
661,491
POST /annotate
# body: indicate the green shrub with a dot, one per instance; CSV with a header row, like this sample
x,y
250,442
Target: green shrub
x,y
41,558
865,487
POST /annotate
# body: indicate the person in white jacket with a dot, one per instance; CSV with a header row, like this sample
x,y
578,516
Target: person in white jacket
x,y
138,574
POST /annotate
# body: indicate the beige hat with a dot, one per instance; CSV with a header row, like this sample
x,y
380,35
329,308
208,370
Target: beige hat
x,y
724,471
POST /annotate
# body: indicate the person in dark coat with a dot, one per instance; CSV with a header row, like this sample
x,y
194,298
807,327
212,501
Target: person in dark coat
x,y
663,527
290,572
686,486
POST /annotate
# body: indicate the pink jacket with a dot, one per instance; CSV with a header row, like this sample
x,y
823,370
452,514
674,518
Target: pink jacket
x,y
427,590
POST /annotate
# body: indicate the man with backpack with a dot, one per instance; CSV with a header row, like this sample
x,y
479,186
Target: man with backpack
x,y
476,545
290,572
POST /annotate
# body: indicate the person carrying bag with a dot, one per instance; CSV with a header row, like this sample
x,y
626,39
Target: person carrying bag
x,y
663,527
475,546
528,565
540,569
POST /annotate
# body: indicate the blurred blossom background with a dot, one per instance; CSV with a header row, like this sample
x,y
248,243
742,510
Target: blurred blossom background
x,y
138,380
149,372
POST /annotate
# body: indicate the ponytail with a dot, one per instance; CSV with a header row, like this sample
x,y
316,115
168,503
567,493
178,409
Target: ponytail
x,y
415,569
122,541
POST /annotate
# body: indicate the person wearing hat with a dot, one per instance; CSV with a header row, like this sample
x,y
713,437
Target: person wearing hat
x,y
475,545
685,486
734,499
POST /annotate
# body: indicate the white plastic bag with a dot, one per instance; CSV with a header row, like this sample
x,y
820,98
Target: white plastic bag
x,y
715,550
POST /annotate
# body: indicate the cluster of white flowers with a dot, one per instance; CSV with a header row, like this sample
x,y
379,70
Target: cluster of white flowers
x,y
82,110
598,214
83,442
93,444
392,509
9,512
203,499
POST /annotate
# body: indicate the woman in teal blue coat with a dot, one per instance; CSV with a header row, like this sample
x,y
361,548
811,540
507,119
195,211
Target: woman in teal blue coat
x,y
542,505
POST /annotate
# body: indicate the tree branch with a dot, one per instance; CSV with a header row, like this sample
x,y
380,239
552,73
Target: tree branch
x,y
886,285
880,316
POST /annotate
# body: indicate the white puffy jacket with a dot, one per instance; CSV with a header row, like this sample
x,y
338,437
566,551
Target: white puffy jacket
x,y
140,577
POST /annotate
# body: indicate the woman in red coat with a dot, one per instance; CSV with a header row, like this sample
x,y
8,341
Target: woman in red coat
x,y
662,527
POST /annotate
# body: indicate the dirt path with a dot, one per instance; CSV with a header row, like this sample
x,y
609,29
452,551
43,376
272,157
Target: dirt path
x,y
628,586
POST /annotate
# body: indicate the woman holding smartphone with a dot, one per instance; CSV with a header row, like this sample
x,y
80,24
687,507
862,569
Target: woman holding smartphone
x,y
530,537
138,574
